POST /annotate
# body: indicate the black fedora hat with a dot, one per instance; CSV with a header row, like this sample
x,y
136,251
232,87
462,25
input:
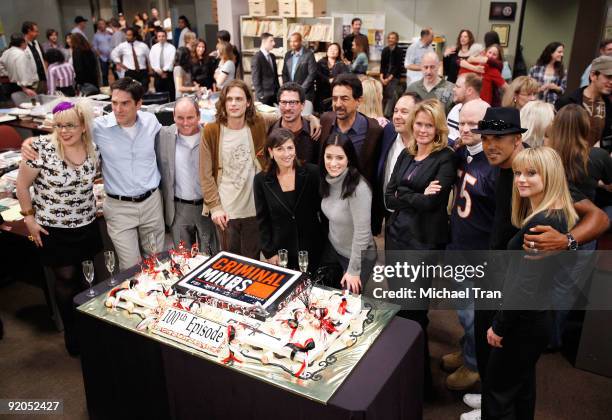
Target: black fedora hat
x,y
499,122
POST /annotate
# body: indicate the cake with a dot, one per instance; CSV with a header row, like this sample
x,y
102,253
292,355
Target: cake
x,y
236,309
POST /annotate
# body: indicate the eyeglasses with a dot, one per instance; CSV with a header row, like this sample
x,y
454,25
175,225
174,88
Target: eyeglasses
x,y
289,103
494,125
69,127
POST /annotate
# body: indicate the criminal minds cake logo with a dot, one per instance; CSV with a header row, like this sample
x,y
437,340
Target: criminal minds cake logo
x,y
239,280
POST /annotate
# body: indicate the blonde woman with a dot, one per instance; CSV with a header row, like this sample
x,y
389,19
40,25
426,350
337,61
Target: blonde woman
x,y
523,89
61,215
536,116
520,331
371,101
417,193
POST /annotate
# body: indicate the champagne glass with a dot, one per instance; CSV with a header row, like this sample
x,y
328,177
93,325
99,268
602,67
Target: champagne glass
x,y
283,258
109,261
303,261
88,272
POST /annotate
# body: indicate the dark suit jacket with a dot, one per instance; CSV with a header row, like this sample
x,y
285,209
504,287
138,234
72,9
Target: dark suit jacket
x,y
305,73
368,160
265,77
418,216
292,228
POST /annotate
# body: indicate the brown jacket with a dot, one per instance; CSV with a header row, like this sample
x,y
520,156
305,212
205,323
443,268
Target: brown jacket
x,y
210,166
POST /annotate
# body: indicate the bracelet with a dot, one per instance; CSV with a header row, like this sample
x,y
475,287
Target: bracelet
x,y
29,212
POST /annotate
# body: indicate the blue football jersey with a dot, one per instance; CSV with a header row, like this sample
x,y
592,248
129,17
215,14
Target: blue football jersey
x,y
474,206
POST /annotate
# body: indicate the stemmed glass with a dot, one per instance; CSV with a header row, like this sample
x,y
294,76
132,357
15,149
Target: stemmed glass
x,y
303,261
283,258
109,261
88,272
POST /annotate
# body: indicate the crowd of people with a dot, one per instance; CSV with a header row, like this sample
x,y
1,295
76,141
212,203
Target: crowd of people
x,y
144,51
527,165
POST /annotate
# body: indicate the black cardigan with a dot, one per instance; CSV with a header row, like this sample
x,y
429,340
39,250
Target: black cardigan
x,y
415,215
294,229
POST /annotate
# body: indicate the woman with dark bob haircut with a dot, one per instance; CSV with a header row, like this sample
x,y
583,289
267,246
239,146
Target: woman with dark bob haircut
x,y
288,203
347,202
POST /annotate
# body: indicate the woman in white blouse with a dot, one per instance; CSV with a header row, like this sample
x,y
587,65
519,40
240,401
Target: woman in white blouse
x,y
61,216
226,70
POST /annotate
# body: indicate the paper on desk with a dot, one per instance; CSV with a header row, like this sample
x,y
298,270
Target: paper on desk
x,y
12,214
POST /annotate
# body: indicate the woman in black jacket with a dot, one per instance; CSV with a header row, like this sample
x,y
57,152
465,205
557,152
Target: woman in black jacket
x,y
328,68
288,203
203,66
85,64
417,193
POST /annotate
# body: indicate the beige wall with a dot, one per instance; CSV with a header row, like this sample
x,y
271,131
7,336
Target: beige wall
x,y
46,13
541,27
447,17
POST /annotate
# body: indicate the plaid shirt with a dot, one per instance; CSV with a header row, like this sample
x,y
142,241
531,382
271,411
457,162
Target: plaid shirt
x,y
538,73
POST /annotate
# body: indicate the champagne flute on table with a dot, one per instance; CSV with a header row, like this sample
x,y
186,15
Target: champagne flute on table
x,y
303,261
109,261
283,258
88,272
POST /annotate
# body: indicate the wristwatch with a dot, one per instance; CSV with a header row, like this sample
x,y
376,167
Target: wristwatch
x,y
572,245
29,212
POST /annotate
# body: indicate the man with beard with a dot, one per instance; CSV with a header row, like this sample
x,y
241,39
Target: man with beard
x,y
291,99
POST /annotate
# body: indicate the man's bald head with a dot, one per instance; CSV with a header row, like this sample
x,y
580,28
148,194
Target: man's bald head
x,y
429,67
471,112
187,116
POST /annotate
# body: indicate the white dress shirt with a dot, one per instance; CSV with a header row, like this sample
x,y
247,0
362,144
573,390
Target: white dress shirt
x,y
187,162
168,24
396,149
123,54
18,66
155,56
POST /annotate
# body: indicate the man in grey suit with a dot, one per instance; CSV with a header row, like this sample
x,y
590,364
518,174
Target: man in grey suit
x,y
264,72
178,158
300,67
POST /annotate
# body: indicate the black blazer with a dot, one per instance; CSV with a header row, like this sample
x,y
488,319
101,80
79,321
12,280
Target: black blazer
x,y
294,229
305,73
415,215
265,78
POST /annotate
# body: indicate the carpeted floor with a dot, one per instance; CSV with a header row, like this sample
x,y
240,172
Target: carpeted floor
x,y
34,364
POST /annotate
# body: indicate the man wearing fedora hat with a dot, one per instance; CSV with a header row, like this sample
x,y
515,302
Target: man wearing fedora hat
x,y
501,139
595,98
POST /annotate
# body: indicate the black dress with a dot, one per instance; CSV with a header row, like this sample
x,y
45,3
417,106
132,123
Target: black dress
x,y
322,86
524,324
290,220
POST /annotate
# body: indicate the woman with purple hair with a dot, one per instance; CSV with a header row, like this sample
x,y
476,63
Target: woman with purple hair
x,y
61,215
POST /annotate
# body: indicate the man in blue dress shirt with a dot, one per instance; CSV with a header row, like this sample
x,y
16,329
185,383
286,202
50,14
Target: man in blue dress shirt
x,y
126,139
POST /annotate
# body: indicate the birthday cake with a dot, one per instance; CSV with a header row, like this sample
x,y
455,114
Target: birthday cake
x,y
209,304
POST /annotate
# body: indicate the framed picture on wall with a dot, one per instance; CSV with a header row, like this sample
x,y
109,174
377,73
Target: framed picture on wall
x,y
502,10
503,30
